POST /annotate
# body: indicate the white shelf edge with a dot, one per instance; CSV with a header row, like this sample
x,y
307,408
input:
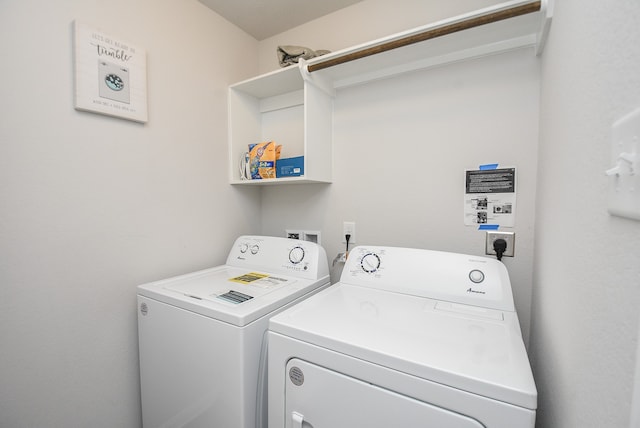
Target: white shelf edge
x,y
545,25
458,56
277,181
283,80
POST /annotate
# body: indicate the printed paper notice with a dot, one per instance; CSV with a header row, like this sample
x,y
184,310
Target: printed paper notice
x,y
490,197
261,280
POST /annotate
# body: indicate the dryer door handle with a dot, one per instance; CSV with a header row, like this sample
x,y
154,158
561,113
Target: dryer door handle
x,y
297,420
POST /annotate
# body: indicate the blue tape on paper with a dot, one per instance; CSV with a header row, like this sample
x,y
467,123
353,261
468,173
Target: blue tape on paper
x,y
488,227
488,166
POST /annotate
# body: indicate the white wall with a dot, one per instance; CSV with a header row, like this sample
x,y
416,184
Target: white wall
x,y
401,146
587,269
91,206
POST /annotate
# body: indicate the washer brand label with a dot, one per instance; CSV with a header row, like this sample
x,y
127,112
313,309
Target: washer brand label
x,y
296,376
144,309
471,290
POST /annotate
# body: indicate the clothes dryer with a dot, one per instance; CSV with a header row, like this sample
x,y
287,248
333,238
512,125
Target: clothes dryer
x,y
201,335
408,337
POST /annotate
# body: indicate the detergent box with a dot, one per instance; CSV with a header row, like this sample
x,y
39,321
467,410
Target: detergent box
x,y
290,167
262,160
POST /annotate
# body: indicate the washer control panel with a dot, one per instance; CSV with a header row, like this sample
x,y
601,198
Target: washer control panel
x,y
459,278
274,254
296,255
249,247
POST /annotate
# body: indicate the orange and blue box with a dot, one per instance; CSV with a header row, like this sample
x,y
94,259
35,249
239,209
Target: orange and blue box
x,y
290,167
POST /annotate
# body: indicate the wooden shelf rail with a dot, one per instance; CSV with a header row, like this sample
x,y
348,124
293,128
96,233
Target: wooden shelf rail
x,y
433,33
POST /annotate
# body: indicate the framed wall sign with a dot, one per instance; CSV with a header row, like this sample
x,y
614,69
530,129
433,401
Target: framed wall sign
x,y
110,75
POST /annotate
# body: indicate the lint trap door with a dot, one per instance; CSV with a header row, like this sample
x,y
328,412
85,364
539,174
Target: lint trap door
x,y
321,398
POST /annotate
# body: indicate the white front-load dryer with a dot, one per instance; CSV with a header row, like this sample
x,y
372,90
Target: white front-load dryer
x,y
201,335
407,337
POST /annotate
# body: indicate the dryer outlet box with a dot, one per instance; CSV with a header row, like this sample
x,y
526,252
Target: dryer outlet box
x,y
509,237
312,236
294,234
304,235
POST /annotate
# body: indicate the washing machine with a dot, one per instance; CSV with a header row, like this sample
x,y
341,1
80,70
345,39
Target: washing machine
x,y
407,337
202,335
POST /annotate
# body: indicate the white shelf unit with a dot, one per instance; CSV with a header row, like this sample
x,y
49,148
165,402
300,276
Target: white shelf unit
x,y
293,106
282,107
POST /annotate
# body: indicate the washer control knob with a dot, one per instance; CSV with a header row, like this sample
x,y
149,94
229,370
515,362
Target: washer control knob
x,y
476,276
370,262
296,255
244,248
255,248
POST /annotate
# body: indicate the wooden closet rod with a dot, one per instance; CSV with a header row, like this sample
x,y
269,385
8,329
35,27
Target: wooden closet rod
x,y
430,34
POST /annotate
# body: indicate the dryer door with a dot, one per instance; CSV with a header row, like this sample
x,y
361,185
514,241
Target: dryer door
x,y
320,398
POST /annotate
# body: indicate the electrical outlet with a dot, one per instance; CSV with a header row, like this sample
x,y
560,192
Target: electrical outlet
x,y
349,228
509,237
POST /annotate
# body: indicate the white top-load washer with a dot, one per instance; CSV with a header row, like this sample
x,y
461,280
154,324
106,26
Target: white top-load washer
x,y
201,335
408,337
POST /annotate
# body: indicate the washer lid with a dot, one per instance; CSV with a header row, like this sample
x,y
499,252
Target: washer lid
x,y
474,349
230,294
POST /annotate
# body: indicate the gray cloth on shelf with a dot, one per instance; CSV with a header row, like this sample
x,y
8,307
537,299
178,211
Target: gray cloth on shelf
x,y
288,55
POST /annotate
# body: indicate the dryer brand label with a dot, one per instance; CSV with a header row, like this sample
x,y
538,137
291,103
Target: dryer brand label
x,y
296,376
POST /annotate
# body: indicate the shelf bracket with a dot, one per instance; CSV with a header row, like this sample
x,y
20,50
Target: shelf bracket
x,y
547,8
318,81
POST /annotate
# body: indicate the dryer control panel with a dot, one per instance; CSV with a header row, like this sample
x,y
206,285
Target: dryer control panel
x,y
459,278
300,259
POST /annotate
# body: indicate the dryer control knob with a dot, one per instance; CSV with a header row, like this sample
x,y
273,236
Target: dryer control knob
x,y
476,276
255,249
370,262
244,248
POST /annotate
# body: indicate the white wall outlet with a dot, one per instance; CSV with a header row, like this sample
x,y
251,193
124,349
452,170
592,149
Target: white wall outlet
x,y
349,228
492,235
294,234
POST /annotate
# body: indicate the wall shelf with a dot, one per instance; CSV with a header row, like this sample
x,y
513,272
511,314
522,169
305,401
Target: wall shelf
x,y
294,105
281,107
